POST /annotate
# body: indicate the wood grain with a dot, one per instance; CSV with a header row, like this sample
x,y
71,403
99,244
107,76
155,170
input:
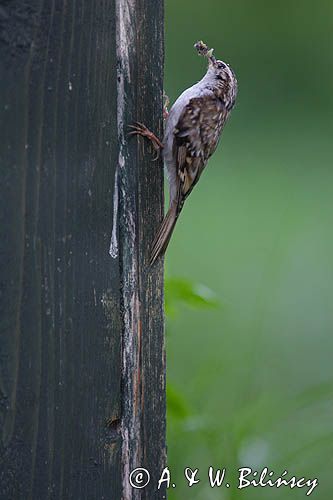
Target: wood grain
x,y
82,362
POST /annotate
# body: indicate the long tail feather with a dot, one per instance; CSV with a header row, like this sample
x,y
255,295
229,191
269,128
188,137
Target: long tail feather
x,y
164,233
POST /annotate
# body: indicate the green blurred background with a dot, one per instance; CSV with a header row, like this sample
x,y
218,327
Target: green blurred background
x,y
250,370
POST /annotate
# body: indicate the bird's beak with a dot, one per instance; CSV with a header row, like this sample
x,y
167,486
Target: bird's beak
x,y
211,59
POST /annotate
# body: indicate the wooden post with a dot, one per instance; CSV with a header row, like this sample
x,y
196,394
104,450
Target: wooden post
x,y
82,365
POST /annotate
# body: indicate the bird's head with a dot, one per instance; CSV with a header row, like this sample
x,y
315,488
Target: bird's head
x,y
221,70
217,69
219,76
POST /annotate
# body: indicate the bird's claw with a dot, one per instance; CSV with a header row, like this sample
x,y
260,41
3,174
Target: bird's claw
x,y
141,129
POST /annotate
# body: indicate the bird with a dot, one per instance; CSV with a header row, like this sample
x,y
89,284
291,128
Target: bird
x,y
192,132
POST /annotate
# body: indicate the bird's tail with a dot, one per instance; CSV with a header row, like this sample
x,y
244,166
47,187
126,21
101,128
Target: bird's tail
x,y
164,233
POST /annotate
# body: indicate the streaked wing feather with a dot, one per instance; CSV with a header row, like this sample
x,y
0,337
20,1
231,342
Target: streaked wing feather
x,y
196,136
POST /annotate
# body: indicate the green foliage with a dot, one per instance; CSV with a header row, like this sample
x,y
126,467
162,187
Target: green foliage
x,y
180,291
176,404
255,374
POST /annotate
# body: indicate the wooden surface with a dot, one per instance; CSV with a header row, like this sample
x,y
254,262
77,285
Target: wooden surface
x,y
82,370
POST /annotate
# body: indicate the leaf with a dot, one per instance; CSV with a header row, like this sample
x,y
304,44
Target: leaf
x,y
176,404
181,291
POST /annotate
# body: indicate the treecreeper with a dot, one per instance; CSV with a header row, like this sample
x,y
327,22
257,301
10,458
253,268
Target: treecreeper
x,y
192,132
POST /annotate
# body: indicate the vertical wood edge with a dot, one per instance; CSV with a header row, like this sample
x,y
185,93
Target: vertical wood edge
x,y
130,424
138,280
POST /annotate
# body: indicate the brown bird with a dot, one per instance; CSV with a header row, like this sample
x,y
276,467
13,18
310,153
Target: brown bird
x,y
192,132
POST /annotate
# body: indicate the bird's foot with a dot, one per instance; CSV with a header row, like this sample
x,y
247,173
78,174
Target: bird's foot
x,y
165,106
140,129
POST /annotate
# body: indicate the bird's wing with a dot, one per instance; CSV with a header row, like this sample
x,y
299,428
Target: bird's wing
x,y
196,136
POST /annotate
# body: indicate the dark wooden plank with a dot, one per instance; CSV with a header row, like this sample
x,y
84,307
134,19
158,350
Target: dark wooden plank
x,y
140,84
82,363
60,298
